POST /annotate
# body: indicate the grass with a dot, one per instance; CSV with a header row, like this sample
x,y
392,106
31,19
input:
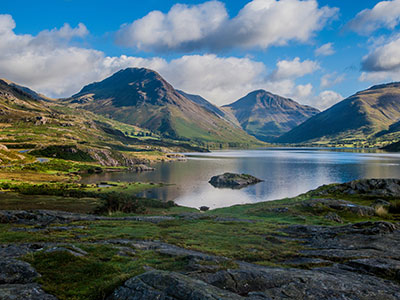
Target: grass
x,y
96,275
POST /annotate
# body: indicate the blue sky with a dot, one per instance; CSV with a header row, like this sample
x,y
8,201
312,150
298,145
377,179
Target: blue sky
x,y
218,49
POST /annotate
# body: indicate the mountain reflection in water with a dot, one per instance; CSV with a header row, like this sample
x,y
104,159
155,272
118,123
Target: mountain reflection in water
x,y
286,173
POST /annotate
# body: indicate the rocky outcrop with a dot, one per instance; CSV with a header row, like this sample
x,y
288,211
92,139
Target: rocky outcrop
x,y
366,187
17,281
171,286
15,271
232,180
341,205
142,168
47,217
357,261
30,291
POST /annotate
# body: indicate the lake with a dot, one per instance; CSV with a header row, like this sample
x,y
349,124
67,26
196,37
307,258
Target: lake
x,y
286,172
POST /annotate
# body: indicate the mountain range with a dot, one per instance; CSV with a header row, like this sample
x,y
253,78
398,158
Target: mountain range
x,y
369,114
138,100
143,98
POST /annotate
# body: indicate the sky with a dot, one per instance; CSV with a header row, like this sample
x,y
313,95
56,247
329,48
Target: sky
x,y
316,52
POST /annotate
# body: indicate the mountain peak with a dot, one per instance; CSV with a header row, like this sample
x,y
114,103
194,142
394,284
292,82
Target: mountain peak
x,y
132,86
266,115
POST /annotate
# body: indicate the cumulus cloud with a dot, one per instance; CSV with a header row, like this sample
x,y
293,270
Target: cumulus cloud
x,y
385,14
327,98
325,50
48,64
383,62
329,80
295,68
208,26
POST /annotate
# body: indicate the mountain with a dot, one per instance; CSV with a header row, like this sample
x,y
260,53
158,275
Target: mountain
x,y
142,97
211,107
362,116
26,90
50,128
267,116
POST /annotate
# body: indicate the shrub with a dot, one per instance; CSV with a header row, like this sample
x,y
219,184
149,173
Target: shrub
x,y
381,211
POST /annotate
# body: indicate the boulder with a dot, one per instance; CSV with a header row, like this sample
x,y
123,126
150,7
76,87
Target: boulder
x,y
169,286
233,180
30,291
14,271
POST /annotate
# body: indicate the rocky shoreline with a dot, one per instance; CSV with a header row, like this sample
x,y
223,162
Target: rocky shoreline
x,y
354,260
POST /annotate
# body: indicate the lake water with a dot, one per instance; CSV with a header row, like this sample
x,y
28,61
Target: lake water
x,y
286,173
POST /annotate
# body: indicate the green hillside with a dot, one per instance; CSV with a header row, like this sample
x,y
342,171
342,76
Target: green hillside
x,y
365,117
141,97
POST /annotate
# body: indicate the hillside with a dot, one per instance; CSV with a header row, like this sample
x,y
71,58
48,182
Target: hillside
x,y
267,116
47,127
211,107
363,116
143,98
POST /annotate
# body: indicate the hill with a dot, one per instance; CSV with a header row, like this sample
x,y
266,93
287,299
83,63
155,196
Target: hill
x,y
49,129
267,116
143,98
363,116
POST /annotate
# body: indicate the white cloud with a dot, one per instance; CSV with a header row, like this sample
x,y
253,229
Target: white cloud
x,y
326,99
383,62
329,80
385,14
207,26
295,68
325,50
47,64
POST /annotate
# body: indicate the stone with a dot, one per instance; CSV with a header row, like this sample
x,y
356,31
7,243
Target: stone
x,y
234,181
15,271
169,286
333,217
24,292
204,208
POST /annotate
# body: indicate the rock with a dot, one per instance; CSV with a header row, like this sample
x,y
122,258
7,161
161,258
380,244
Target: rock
x,y
380,202
23,292
142,168
15,271
333,217
47,217
383,267
204,208
75,251
341,205
280,210
169,286
366,187
232,180
319,283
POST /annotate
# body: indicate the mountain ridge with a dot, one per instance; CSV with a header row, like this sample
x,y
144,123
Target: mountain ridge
x,y
360,116
141,97
267,116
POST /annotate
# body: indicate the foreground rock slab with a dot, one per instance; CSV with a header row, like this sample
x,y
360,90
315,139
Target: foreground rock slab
x,y
233,180
23,292
169,285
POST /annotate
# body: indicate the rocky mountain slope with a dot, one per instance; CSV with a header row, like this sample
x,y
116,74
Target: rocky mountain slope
x,y
365,115
267,116
142,97
30,123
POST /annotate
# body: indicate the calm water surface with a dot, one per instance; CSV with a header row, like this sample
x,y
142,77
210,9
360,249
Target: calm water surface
x,y
286,173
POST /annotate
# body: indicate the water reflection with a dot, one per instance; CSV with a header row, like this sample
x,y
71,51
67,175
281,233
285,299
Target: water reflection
x,y
286,173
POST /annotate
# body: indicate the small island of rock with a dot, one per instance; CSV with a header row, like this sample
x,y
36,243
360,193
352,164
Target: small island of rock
x,y
233,180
